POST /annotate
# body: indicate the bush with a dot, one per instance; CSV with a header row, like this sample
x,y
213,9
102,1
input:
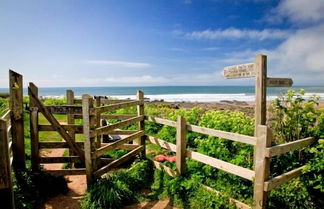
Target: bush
x,y
118,189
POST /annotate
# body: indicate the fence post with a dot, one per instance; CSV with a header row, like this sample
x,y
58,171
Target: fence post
x,y
97,122
89,142
34,138
6,191
17,118
262,166
70,117
141,124
33,124
181,145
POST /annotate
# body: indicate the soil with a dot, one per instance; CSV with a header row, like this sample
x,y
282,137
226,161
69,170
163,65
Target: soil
x,y
76,183
77,187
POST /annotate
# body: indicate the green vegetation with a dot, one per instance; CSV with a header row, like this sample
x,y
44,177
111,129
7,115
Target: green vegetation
x,y
292,118
119,188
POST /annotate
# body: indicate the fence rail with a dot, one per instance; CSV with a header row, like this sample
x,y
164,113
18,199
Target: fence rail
x,y
264,151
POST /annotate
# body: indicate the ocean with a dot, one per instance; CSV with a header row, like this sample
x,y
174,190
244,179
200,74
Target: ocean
x,y
178,93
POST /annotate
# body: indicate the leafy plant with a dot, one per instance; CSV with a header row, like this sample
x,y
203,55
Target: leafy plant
x,y
294,117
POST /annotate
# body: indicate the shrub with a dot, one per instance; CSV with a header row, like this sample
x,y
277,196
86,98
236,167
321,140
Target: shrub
x,y
119,188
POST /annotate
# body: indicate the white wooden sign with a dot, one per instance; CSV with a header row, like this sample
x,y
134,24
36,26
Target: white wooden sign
x,y
239,71
279,82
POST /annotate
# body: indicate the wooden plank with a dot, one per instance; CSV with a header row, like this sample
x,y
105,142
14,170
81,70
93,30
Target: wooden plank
x,y
284,178
6,116
116,106
121,132
4,156
161,121
70,117
237,203
17,118
221,165
4,95
181,145
6,185
114,101
55,145
106,160
162,143
56,124
77,101
290,146
34,138
223,134
168,170
71,127
64,109
106,129
65,172
279,82
86,104
141,123
118,162
118,117
116,144
239,71
262,166
68,159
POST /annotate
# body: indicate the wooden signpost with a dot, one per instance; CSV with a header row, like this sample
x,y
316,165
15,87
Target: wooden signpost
x,y
258,69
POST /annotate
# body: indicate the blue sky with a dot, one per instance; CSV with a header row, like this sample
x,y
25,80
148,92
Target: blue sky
x,y
159,42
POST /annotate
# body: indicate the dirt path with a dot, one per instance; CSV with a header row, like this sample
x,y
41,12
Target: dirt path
x,y
77,187
76,183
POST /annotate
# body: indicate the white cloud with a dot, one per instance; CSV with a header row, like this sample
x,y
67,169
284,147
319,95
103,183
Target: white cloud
x,y
304,50
306,11
210,49
119,63
235,33
135,80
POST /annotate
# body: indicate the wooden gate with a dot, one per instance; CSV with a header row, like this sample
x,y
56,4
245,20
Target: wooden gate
x,y
6,158
67,132
96,166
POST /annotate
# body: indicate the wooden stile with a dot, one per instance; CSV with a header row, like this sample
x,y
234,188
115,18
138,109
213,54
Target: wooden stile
x,y
55,124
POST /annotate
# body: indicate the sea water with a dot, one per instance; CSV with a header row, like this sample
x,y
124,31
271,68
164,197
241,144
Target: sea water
x,y
178,93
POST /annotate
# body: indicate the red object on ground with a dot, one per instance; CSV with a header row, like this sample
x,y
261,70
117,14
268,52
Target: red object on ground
x,y
160,158
171,159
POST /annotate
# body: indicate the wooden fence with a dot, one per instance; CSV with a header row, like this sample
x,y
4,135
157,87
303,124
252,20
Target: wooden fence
x,y
6,161
93,132
263,152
